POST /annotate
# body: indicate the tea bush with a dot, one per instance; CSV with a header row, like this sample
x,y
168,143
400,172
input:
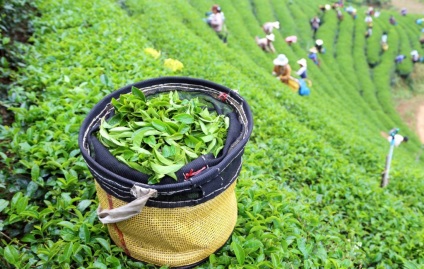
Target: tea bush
x,y
308,195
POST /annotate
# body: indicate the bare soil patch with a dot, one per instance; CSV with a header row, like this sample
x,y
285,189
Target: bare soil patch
x,y
409,100
412,112
412,6
420,122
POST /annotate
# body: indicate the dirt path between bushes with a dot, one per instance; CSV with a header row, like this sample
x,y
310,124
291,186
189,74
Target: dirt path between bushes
x,y
420,122
412,113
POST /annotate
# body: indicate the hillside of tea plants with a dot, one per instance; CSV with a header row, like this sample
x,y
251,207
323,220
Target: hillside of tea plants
x,y
309,193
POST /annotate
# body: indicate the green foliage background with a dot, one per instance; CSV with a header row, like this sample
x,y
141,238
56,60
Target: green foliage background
x,y
308,194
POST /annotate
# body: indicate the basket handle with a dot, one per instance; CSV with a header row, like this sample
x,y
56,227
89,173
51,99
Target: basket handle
x,y
114,215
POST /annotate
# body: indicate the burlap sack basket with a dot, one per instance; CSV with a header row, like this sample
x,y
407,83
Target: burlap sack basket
x,y
175,223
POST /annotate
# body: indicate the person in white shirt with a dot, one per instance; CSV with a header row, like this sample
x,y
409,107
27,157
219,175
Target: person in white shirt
x,y
302,70
266,43
393,135
415,56
368,20
398,139
384,44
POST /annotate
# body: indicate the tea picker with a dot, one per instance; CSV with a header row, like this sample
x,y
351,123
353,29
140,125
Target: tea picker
x,y
395,140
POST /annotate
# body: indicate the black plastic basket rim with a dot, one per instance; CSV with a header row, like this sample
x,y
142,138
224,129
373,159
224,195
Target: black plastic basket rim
x,y
167,188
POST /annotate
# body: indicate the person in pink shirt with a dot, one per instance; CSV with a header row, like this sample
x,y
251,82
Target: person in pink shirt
x,y
217,22
268,27
291,39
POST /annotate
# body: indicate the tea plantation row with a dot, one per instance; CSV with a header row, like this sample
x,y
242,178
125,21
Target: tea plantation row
x,y
308,194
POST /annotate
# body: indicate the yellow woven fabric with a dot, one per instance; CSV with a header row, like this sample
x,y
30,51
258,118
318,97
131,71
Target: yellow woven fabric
x,y
175,236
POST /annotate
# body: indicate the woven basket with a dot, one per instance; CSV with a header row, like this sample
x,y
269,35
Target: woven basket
x,y
176,223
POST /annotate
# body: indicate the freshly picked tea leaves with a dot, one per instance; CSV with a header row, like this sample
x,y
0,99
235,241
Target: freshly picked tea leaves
x,y
160,134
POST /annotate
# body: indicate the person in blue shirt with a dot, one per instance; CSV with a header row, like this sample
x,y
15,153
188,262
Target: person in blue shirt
x,y
399,59
313,55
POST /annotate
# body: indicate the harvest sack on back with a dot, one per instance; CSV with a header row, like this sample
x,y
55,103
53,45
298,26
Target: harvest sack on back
x,y
303,88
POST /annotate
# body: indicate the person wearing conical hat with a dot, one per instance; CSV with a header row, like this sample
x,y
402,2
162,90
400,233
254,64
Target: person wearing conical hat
x,y
302,70
415,56
266,43
269,26
282,69
354,13
319,45
324,8
368,20
313,55
383,42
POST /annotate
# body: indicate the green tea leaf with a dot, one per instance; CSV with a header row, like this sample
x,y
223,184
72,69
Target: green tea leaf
x,y
3,204
35,172
119,129
67,252
84,233
11,254
105,244
159,125
207,138
184,118
183,129
166,169
104,80
66,224
162,159
239,252
139,135
116,119
138,93
168,151
191,141
83,205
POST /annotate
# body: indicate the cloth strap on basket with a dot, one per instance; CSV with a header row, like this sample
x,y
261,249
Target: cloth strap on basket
x,y
114,215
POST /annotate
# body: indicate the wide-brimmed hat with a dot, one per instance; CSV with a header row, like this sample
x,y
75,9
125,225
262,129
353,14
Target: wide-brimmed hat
x,y
319,42
276,24
302,62
281,60
270,37
414,52
313,50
